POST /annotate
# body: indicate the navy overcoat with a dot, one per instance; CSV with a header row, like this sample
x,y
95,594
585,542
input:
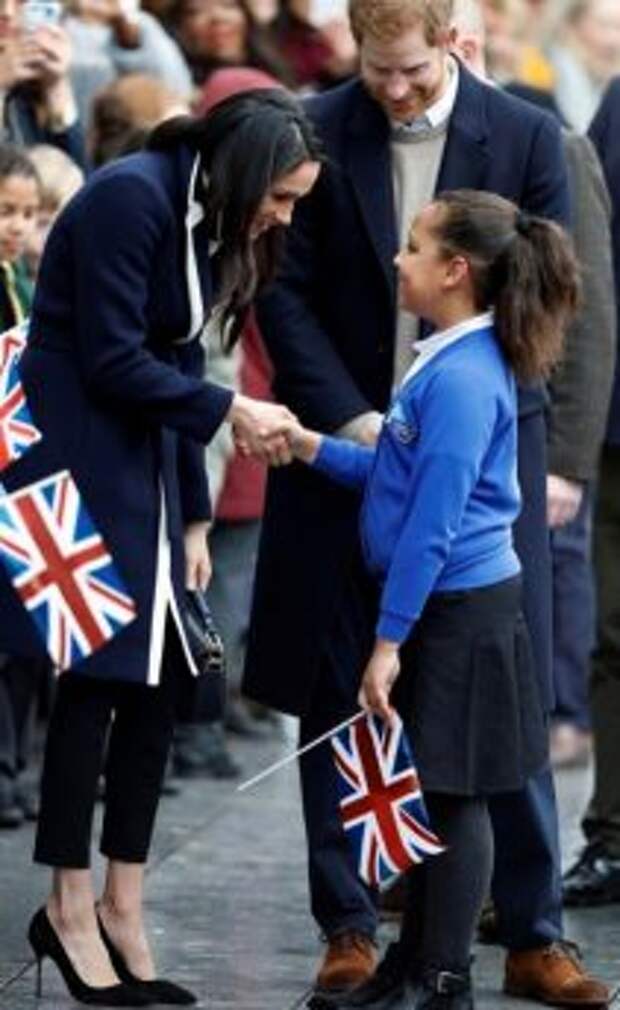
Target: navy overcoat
x,y
605,134
113,376
329,324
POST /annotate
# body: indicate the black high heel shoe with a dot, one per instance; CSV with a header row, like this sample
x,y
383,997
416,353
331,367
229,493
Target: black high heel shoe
x,y
158,990
45,943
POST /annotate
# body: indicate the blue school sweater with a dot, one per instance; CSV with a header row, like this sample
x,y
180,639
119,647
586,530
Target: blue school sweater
x,y
440,490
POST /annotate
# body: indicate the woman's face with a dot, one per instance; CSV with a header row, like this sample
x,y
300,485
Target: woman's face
x,y
214,29
276,207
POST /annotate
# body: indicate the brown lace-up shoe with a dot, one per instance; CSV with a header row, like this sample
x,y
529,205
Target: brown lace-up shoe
x,y
350,960
553,975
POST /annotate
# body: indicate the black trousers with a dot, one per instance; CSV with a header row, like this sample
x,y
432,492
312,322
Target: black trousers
x,y
135,721
338,896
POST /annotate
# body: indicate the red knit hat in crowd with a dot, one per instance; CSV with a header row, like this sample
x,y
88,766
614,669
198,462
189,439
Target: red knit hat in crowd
x,y
229,81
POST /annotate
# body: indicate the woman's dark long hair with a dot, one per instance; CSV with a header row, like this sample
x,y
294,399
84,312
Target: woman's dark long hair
x,y
521,265
247,142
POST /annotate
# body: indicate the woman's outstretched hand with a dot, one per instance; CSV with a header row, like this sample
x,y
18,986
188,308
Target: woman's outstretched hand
x,y
381,671
197,556
260,429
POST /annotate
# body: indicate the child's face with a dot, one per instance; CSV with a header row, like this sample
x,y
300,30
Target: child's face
x,y
19,207
421,268
48,211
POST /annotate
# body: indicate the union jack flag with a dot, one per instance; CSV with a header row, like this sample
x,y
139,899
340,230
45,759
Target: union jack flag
x,y
17,430
381,803
61,569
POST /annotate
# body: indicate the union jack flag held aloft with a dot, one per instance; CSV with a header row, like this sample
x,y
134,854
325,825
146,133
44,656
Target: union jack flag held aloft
x,y
17,430
61,569
381,803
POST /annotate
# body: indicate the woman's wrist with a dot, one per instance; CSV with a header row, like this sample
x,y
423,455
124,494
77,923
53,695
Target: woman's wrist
x,y
238,410
198,526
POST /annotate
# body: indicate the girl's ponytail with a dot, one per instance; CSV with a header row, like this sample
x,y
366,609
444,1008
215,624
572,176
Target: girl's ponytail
x,y
539,296
521,265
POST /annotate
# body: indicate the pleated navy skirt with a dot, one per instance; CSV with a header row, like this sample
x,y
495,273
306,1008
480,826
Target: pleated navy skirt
x,y
469,694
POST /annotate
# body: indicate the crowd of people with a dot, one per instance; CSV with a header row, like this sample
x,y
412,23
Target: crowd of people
x,y
150,159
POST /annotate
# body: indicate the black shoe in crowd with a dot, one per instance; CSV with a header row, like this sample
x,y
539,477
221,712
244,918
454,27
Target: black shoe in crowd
x,y
11,814
27,799
391,988
593,880
200,750
239,720
444,990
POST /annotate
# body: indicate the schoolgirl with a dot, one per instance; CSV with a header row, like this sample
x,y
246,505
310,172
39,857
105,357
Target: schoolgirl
x,y
440,496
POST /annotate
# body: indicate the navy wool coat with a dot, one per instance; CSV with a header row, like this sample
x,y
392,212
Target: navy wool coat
x,y
329,325
113,374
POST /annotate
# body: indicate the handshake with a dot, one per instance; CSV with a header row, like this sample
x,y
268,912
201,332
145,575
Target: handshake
x,y
270,432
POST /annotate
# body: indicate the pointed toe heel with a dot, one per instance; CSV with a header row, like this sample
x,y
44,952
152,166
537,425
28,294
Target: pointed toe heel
x,y
161,990
158,990
45,943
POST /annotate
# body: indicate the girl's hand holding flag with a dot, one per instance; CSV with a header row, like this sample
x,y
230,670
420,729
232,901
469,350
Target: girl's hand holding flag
x,y
380,674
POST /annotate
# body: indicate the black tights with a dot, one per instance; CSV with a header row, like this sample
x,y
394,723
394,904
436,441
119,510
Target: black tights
x,y
446,892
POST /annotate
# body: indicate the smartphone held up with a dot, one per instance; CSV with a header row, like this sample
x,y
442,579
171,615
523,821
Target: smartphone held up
x,y
39,14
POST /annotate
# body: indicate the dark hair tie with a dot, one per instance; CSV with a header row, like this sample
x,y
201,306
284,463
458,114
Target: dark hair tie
x,y
523,223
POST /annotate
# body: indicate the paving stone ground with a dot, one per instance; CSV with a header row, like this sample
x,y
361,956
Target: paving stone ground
x,y
227,899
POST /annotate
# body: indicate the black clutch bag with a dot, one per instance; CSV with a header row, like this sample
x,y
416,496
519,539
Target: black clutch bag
x,y
207,651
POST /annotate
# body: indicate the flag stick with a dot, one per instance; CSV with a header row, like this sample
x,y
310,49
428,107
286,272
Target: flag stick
x,y
298,753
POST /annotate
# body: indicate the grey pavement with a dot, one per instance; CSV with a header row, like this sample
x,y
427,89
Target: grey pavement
x,y
227,900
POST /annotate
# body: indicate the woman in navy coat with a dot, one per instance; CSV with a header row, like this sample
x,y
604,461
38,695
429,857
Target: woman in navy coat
x,y
113,375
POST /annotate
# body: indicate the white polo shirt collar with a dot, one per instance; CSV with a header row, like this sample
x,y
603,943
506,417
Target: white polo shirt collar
x,y
427,349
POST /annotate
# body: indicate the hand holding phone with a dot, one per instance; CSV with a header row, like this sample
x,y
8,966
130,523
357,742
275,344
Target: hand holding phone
x,y
40,13
45,52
